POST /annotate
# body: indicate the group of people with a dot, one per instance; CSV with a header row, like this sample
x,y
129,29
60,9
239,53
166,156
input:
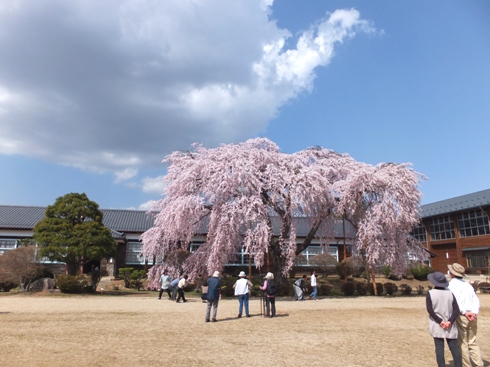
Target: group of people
x,y
242,288
453,308
173,287
300,287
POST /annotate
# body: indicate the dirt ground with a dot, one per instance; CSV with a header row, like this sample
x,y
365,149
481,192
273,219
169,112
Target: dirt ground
x,y
104,330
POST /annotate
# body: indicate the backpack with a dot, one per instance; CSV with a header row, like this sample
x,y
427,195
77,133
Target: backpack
x,y
271,288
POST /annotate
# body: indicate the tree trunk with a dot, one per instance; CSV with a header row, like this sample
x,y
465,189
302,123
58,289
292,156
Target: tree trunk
x,y
371,270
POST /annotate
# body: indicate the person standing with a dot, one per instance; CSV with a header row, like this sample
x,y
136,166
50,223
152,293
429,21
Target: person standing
x,y
270,289
180,288
165,285
174,286
443,312
242,289
469,307
214,287
313,285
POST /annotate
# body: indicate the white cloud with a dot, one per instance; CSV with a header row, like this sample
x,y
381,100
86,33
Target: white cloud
x,y
116,85
147,206
153,185
125,174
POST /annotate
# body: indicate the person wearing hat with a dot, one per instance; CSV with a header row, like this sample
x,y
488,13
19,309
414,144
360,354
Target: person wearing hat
x,y
242,289
180,288
443,312
270,296
469,307
214,288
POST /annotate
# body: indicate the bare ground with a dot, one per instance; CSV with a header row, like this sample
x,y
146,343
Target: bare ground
x,y
105,330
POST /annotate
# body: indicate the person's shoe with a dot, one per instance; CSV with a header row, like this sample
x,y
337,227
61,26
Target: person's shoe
x,y
207,320
214,320
159,298
177,301
248,315
185,300
239,316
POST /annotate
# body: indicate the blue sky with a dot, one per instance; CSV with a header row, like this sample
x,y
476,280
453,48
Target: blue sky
x,y
92,97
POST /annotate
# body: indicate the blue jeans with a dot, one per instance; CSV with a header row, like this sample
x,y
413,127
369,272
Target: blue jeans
x,y
243,300
314,293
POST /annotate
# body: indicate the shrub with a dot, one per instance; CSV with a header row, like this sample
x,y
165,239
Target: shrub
x,y
386,270
361,288
137,277
74,284
348,288
227,286
354,267
324,262
125,273
405,289
379,289
390,288
420,271
420,290
483,285
324,289
6,286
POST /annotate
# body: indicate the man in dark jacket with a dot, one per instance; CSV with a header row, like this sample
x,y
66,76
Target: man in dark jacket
x,y
214,287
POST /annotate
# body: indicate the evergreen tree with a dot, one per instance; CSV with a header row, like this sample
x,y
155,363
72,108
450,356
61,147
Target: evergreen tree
x,y
72,232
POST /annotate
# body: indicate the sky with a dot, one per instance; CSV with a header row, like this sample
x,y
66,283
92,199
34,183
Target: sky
x,y
94,94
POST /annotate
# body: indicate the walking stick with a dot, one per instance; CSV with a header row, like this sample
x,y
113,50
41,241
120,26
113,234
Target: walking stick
x,y
261,304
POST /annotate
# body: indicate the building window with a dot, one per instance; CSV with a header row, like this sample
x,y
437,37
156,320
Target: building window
x,y
473,223
134,255
477,259
419,233
242,258
7,244
442,228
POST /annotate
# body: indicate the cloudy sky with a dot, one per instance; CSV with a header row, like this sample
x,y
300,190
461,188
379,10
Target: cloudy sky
x,y
94,94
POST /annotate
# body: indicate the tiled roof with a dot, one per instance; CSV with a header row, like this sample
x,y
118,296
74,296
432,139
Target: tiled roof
x,y
464,202
26,217
130,221
20,217
127,220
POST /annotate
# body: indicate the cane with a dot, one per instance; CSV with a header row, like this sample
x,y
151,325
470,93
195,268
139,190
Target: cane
x,y
261,304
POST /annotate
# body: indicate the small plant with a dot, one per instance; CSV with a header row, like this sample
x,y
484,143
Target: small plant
x,y
379,289
6,286
420,271
137,278
390,288
354,267
125,273
324,289
74,284
420,290
348,288
484,287
405,289
361,289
